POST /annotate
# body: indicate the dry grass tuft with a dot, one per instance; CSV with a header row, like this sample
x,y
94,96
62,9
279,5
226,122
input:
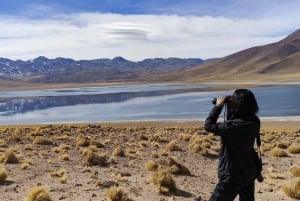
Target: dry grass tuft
x,y
184,137
266,147
276,152
9,157
42,141
96,143
276,175
28,147
283,144
38,193
25,166
63,179
151,165
83,141
58,173
197,148
3,143
118,151
64,157
3,175
294,149
177,168
163,181
173,146
295,171
292,189
117,193
92,158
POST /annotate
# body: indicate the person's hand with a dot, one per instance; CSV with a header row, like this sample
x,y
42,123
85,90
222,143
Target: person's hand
x,y
220,100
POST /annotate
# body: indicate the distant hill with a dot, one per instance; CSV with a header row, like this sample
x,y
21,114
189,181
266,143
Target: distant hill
x,y
278,61
63,70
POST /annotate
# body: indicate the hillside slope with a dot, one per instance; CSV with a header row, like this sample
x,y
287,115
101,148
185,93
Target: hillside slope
x,y
278,61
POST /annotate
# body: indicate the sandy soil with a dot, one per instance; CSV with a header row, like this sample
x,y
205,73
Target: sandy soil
x,y
141,142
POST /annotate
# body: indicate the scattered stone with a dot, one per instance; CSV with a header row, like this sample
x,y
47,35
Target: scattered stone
x,y
198,198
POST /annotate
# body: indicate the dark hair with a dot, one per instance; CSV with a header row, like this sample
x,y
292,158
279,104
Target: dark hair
x,y
243,103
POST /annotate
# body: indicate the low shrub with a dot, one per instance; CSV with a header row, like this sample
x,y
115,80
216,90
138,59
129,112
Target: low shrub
x,y
117,193
177,168
295,171
163,180
276,152
173,146
294,149
38,193
42,141
292,189
82,141
9,157
151,165
3,175
118,151
92,158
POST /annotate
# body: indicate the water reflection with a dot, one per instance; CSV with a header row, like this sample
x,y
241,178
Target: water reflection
x,y
14,105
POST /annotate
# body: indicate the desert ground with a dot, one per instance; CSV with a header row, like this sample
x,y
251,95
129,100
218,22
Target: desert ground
x,y
148,161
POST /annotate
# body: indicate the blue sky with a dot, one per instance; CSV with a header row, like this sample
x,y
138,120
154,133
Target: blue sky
x,y
139,29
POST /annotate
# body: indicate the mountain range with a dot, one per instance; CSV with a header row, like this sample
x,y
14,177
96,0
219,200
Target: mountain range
x,y
60,70
275,62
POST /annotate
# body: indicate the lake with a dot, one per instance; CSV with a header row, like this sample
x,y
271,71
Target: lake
x,y
134,103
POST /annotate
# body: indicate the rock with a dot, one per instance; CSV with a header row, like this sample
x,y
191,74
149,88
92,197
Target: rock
x,y
197,198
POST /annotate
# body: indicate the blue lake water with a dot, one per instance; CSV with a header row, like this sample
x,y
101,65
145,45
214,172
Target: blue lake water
x,y
133,103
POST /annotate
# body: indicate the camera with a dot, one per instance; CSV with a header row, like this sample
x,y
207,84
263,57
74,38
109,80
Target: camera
x,y
226,101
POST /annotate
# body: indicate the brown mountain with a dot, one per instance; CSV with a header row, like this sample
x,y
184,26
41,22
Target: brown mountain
x,y
274,62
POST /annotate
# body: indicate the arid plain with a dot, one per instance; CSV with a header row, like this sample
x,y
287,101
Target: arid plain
x,y
147,160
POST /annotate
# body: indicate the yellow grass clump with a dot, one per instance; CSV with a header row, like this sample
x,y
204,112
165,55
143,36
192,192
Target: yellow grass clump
x,y
28,147
163,180
83,141
58,173
266,147
276,152
283,145
292,189
3,175
295,171
38,193
151,165
42,141
197,148
3,143
96,143
25,166
184,137
9,157
63,179
294,149
64,157
268,138
276,175
117,193
177,168
92,158
173,146
118,151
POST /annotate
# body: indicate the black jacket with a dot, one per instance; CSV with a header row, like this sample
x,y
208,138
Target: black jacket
x,y
236,161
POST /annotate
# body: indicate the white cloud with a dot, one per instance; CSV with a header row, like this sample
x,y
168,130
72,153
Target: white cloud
x,y
135,37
